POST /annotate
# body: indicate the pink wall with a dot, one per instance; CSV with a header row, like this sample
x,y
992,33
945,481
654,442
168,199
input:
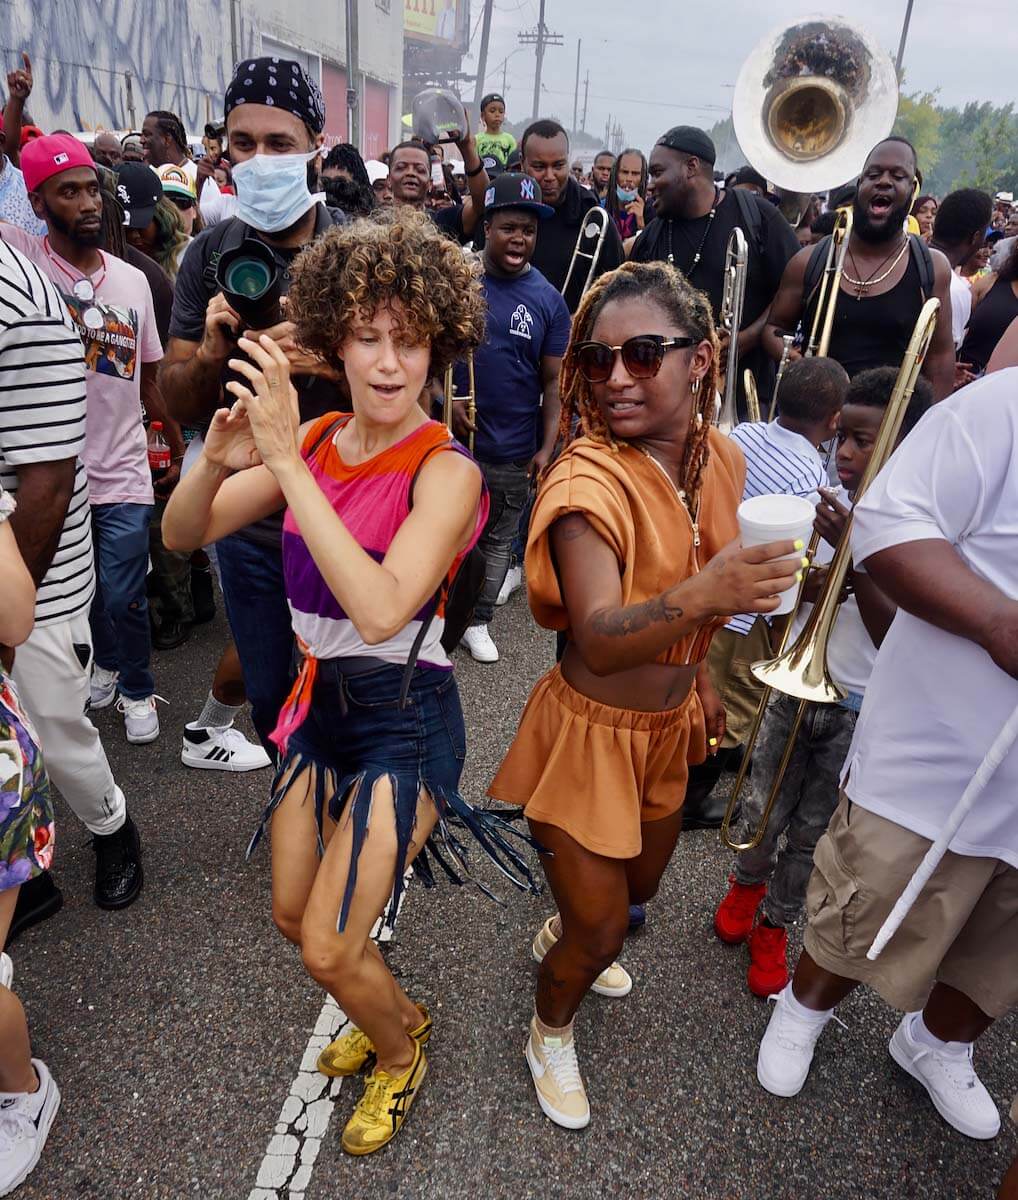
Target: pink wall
x,y
374,119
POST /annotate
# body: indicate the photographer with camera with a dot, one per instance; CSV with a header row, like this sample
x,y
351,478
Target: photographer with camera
x,y
274,120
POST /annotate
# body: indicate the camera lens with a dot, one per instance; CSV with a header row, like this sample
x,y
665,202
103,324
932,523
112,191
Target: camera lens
x,y
248,277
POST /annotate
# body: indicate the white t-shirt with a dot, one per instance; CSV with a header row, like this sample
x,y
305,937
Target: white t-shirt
x,y
850,652
961,308
936,701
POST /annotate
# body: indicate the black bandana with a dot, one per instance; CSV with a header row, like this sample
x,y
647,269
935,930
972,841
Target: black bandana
x,y
279,83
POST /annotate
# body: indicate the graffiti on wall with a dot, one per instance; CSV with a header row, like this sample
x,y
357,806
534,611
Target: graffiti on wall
x,y
178,53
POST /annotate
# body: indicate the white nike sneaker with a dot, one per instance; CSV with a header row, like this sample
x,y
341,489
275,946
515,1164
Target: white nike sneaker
x,y
6,970
221,749
512,583
557,1080
950,1078
25,1120
102,687
478,641
141,721
786,1050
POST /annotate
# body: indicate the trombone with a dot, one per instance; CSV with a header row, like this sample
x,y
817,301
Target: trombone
x,y
730,322
787,342
589,242
752,395
827,297
470,398
801,671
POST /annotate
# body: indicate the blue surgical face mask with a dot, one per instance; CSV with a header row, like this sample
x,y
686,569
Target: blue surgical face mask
x,y
272,190
625,195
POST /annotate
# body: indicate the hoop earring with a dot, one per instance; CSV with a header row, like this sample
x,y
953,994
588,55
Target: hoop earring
x,y
695,387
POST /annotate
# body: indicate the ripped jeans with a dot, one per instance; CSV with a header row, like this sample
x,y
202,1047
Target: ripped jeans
x,y
804,806
121,636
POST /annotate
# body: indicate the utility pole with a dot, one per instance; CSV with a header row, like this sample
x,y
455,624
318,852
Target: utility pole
x,y
482,59
505,77
576,90
129,81
904,38
586,89
352,105
539,38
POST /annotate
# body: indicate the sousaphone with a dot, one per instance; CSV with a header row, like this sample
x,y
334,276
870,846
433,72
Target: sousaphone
x,y
811,101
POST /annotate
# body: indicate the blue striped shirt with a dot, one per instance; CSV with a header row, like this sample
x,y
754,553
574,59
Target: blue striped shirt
x,y
777,461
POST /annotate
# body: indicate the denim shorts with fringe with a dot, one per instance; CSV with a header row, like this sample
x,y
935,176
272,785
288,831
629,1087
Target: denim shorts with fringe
x,y
357,733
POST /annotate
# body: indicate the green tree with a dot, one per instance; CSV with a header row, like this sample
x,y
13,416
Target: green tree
x,y
919,119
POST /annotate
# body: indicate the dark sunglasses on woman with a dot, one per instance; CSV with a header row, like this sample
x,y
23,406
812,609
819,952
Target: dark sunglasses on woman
x,y
642,356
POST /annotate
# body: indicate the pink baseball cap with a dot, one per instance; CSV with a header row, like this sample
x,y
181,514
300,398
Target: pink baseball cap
x,y
47,156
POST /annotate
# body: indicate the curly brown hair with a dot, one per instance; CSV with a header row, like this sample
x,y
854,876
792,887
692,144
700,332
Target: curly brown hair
x,y
690,310
398,258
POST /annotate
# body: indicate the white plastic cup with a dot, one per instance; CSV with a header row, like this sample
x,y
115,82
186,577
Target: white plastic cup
x,y
776,518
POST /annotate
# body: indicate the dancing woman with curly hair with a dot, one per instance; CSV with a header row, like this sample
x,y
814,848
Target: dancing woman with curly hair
x,y
633,552
381,508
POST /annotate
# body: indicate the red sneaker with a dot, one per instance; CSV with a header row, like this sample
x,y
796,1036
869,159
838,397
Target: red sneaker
x,y
768,951
736,913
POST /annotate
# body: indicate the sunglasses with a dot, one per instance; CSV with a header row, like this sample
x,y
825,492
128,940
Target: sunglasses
x,y
84,291
184,203
642,356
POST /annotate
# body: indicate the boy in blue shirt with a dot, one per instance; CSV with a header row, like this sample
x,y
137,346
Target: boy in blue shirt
x,y
516,371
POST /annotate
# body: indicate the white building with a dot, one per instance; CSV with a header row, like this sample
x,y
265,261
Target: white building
x,y
105,65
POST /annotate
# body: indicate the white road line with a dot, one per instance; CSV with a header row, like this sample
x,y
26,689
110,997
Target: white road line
x,y
303,1121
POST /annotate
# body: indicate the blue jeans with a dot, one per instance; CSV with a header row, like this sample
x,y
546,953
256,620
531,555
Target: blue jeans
x,y
119,615
251,576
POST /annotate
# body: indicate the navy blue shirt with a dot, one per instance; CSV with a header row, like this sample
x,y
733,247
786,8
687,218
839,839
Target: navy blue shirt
x,y
527,321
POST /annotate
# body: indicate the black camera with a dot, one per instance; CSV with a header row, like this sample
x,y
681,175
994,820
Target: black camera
x,y
250,281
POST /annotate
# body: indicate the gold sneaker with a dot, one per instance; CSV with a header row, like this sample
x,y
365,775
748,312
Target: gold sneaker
x,y
384,1106
613,981
557,1080
351,1053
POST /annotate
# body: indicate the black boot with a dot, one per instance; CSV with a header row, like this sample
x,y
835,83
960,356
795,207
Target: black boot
x,y
118,873
705,802
170,634
37,900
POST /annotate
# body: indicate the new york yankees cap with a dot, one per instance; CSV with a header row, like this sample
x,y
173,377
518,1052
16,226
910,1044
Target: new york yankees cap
x,y
512,189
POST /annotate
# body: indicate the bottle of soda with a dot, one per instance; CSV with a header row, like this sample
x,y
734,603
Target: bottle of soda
x,y
158,451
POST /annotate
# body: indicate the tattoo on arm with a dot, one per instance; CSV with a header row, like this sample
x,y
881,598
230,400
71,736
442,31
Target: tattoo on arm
x,y
623,622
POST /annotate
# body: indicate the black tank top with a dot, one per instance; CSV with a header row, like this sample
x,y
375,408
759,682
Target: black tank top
x,y
874,332
997,309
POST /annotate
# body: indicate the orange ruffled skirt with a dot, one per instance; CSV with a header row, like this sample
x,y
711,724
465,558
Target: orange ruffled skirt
x,y
599,772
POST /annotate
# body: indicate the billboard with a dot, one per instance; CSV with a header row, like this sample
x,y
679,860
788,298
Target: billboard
x,y
434,20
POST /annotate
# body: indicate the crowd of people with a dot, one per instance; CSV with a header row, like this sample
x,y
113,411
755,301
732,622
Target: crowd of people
x,y
245,374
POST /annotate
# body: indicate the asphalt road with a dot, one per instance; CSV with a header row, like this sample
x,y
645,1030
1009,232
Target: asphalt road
x,y
177,1029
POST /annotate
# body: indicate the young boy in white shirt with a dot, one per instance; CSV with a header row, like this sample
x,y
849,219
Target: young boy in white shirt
x,y
936,532
768,883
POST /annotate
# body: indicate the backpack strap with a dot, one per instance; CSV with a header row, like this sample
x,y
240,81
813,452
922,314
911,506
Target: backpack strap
x,y
923,260
415,649
814,270
749,214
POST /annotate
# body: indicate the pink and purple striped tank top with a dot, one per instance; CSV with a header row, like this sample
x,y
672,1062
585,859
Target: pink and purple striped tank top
x,y
371,498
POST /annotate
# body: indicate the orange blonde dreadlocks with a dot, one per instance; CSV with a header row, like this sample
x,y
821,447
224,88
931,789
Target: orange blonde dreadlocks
x,y
686,307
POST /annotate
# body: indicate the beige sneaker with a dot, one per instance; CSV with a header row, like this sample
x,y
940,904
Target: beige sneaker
x,y
557,1081
613,981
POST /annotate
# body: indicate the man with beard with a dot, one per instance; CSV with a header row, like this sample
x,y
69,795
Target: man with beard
x,y
601,172
275,116
545,148
887,276
692,228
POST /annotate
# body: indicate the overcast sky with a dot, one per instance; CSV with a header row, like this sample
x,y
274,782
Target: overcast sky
x,y
651,71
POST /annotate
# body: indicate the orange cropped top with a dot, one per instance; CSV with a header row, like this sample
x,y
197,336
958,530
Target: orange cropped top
x,y
635,507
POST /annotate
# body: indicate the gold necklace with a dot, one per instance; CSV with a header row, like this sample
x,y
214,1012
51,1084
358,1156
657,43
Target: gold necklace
x,y
862,284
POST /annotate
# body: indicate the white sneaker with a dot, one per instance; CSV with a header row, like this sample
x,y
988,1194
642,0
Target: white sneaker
x,y
102,687
557,1080
478,641
512,583
140,718
221,749
6,970
786,1050
613,981
25,1120
949,1077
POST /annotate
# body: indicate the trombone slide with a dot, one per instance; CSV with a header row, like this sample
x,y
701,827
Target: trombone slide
x,y
589,242
730,322
470,398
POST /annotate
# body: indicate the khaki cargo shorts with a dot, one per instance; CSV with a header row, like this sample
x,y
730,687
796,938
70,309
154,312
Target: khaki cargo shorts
x,y
963,930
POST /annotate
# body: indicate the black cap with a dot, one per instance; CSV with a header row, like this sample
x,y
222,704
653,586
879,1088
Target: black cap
x,y
139,191
748,174
687,139
492,96
514,190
